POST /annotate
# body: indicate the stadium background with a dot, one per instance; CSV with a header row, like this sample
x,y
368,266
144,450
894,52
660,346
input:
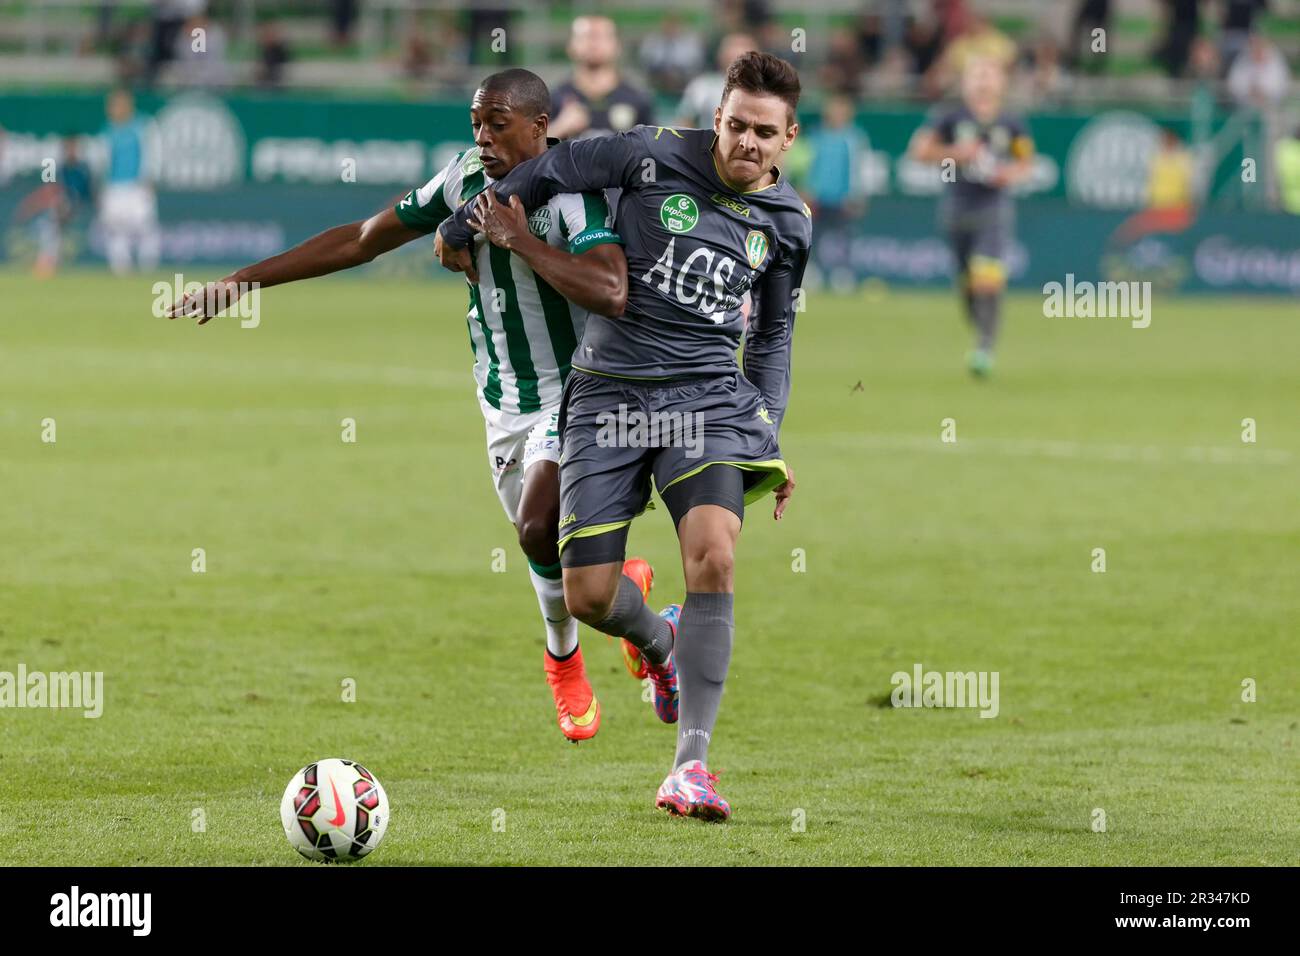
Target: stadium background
x,y
387,561
256,129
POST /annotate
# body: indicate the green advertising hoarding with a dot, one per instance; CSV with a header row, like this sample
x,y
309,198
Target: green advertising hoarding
x,y
242,176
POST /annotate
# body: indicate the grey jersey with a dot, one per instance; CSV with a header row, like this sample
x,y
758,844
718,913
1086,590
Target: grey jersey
x,y
1006,138
694,247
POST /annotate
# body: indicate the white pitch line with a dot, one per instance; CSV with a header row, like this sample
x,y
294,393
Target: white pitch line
x,y
1082,451
190,364
163,417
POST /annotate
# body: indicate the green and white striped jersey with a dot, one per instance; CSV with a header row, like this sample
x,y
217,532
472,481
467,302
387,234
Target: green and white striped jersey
x,y
522,331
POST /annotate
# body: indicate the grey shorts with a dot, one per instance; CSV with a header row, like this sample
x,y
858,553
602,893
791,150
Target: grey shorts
x,y
619,435
980,234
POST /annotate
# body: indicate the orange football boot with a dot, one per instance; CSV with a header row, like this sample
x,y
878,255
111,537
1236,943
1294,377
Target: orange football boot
x,y
643,576
576,708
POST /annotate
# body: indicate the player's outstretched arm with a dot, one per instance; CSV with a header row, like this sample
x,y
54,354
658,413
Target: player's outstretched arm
x,y
331,251
595,279
586,165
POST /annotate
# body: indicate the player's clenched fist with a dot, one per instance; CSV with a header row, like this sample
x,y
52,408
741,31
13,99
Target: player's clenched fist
x,y
208,302
504,225
457,260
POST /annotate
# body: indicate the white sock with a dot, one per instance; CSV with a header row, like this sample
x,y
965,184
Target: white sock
x,y
561,626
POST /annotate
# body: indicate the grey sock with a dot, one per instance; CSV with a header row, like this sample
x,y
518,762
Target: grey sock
x,y
632,618
987,315
702,654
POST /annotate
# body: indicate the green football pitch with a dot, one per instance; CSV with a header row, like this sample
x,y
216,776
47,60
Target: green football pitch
x,y
1124,696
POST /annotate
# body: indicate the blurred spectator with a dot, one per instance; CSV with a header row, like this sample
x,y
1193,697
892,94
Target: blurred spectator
x,y
1171,192
1045,74
1259,76
201,53
923,40
417,53
272,54
1170,181
871,38
343,16
131,48
704,93
845,65
1206,88
671,55
834,182
453,50
1183,23
1206,65
775,39
1091,15
166,21
52,206
975,38
1287,157
128,213
1238,20
952,17
595,100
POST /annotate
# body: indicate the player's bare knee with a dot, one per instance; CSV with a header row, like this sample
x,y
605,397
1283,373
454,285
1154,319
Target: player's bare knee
x,y
709,566
537,537
587,602
588,608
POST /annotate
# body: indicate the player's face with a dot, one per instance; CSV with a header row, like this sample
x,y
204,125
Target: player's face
x,y
120,107
505,137
593,42
982,85
753,130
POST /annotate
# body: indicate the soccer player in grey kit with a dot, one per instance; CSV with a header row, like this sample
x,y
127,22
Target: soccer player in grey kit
x,y
989,151
705,216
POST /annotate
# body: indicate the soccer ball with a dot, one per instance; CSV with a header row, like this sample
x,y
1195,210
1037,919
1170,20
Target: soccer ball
x,y
334,811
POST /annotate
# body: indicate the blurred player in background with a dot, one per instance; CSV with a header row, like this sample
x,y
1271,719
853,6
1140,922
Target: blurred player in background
x,y
528,309
717,219
128,212
983,151
595,100
52,206
701,97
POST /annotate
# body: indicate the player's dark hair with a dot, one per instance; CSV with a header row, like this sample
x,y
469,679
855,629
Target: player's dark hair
x,y
524,90
764,74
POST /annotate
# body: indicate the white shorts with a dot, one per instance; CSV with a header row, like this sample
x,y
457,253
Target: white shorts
x,y
514,444
128,208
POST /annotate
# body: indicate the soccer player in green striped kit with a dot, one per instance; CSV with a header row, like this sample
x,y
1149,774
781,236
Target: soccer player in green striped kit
x,y
528,308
